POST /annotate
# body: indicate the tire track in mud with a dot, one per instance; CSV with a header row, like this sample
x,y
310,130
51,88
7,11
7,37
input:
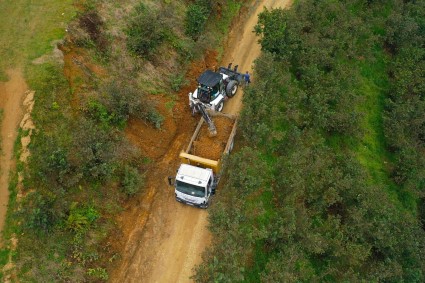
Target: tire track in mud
x,y
167,238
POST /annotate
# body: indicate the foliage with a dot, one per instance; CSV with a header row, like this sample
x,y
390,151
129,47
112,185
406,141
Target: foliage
x,y
321,210
405,115
132,181
41,215
98,273
144,32
80,218
318,55
200,11
196,17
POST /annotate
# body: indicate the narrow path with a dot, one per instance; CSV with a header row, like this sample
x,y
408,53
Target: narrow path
x,y
168,238
11,97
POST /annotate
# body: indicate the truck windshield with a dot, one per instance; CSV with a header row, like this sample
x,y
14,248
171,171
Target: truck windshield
x,y
190,189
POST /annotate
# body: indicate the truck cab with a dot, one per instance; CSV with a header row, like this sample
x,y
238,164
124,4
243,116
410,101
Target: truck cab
x,y
194,185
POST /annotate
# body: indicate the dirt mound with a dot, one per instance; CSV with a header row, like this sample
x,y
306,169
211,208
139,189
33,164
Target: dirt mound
x,y
213,147
153,142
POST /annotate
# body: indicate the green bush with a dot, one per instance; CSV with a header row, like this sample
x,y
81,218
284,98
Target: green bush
x,y
98,273
155,118
132,181
81,217
196,18
97,111
145,31
119,101
40,214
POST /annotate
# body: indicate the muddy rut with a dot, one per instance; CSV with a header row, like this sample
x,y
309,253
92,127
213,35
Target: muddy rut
x,y
162,240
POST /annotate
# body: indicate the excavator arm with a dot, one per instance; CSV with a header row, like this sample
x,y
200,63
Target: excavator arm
x,y
211,126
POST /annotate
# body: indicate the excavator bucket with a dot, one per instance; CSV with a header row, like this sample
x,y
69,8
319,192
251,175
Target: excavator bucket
x,y
212,132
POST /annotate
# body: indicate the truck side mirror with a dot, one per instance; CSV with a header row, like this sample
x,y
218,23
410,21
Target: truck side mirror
x,y
170,181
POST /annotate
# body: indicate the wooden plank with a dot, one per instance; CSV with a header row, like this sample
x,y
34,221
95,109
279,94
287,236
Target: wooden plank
x,y
195,135
231,137
200,161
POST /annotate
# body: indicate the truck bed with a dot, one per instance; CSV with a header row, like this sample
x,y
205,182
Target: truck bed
x,y
212,147
208,151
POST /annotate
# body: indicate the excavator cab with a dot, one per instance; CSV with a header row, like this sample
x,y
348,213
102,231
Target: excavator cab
x,y
209,87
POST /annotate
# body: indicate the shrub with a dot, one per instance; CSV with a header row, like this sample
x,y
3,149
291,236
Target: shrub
x,y
144,31
132,181
155,118
80,218
98,273
97,111
196,18
40,214
119,101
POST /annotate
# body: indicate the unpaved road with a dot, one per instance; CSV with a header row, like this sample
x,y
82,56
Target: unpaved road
x,y
163,239
11,96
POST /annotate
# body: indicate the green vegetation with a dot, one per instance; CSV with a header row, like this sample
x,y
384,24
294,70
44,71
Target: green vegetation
x,y
196,17
328,184
145,31
404,118
30,36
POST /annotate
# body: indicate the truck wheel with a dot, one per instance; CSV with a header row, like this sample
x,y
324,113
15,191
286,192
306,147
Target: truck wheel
x,y
231,88
219,107
207,204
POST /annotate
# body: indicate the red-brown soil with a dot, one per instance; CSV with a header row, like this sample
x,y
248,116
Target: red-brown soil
x,y
210,147
153,142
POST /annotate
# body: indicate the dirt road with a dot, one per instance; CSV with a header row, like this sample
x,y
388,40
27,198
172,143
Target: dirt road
x,y
11,97
163,239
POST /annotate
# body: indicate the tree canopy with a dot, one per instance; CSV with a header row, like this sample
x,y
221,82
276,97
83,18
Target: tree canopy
x,y
300,204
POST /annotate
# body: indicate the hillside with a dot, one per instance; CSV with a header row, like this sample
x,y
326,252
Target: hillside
x,y
109,100
326,182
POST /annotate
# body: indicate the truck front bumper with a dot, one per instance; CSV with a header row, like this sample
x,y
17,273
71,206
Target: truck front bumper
x,y
201,205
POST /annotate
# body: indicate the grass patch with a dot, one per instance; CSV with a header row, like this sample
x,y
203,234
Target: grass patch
x,y
4,255
371,149
3,76
29,27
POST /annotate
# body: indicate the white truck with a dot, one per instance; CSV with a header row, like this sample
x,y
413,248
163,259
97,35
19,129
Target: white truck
x,y
199,173
215,87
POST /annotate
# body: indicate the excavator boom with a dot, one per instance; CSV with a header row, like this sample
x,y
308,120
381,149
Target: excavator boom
x,y
211,127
